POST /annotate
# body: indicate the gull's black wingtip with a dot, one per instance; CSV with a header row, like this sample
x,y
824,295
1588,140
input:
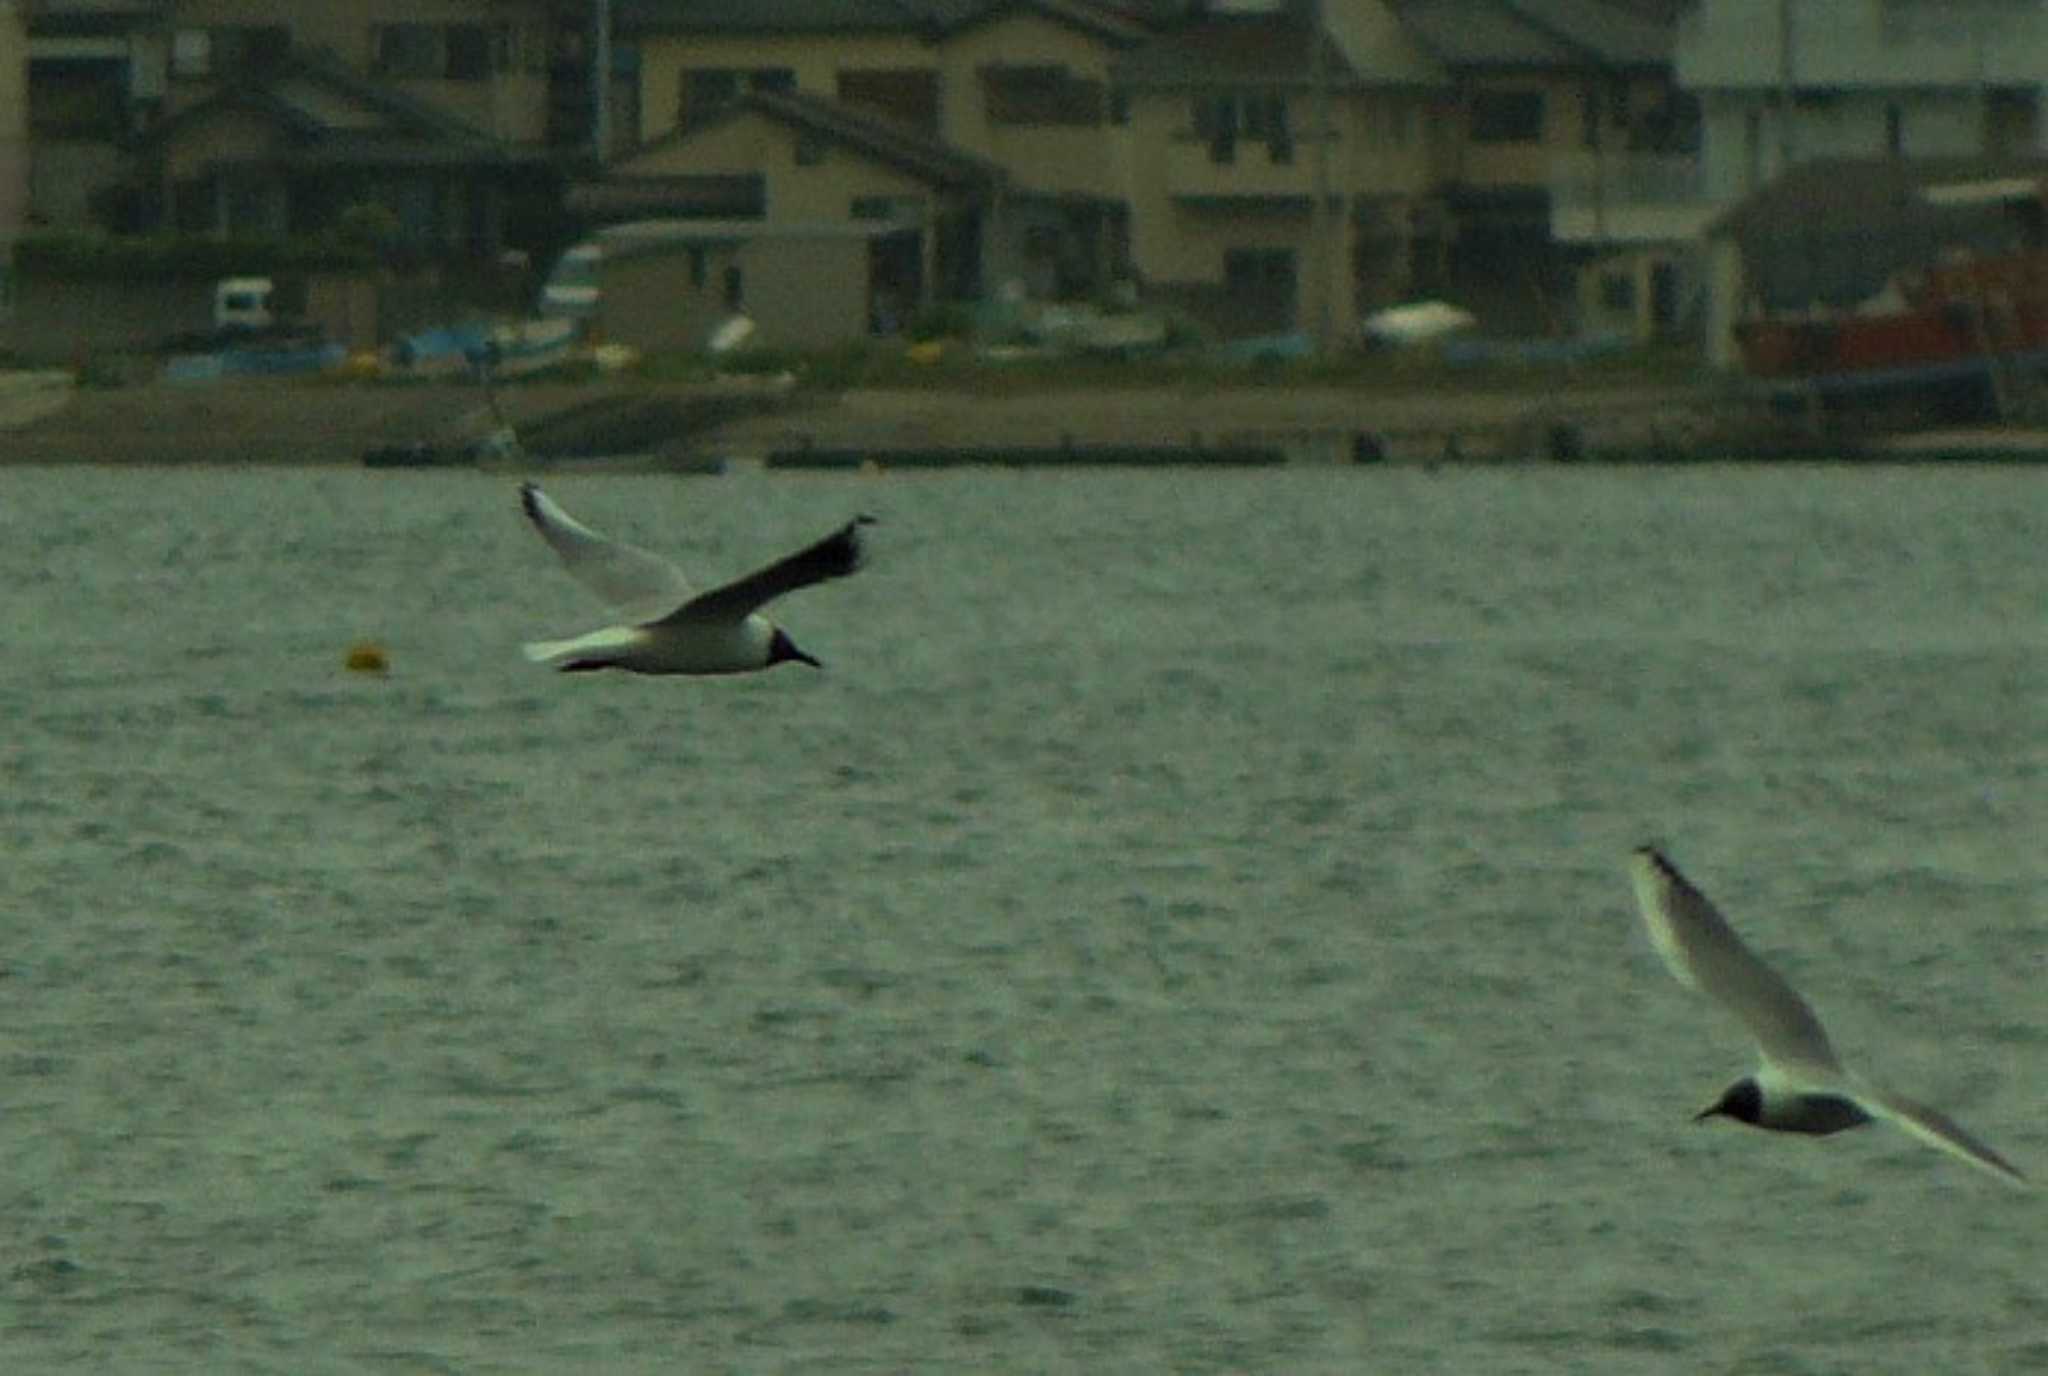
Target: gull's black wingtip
x,y
529,500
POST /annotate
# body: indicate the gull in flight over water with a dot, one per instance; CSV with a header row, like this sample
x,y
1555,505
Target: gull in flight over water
x,y
1801,1085
666,627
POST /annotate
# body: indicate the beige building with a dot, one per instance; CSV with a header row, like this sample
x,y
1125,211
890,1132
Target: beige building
x,y
13,130
1023,86
1287,178
247,116
780,170
667,286
1564,129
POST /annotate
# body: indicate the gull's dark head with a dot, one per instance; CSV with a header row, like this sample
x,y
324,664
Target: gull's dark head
x,y
1744,1102
781,647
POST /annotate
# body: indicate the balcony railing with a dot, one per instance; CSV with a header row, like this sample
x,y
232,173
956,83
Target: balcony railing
x,y
1628,197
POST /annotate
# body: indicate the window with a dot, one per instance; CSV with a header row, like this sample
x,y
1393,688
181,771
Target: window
x,y
885,207
433,52
1259,116
908,96
191,53
1044,95
408,50
1507,117
1617,292
469,52
1253,272
705,92
78,97
771,79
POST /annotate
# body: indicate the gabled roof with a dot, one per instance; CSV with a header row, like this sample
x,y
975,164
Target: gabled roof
x,y
930,20
1867,197
1267,49
1834,231
874,136
1540,33
336,115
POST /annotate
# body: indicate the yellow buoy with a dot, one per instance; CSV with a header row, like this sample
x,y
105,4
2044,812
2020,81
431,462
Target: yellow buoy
x,y
367,657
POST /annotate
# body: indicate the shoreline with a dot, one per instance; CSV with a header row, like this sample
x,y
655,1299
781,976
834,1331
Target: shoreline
x,y
627,423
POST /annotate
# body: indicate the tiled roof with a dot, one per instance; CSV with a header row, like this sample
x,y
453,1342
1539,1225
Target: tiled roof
x,y
1267,49
340,116
1850,196
1538,33
875,136
931,19
1834,231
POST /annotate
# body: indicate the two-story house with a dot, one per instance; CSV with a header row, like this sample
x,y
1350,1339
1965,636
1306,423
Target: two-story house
x,y
1282,172
1783,81
240,116
1565,120
976,139
1782,84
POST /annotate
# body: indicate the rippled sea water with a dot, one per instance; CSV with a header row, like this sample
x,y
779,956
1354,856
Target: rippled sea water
x,y
1184,928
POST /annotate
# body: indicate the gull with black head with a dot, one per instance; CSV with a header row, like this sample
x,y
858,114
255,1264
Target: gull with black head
x,y
1801,1086
666,627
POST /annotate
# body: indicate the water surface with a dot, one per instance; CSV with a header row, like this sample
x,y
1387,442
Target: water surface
x,y
1184,929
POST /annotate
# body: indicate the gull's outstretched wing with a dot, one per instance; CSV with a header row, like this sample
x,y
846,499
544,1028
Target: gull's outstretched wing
x,y
1938,1130
1704,953
835,556
637,585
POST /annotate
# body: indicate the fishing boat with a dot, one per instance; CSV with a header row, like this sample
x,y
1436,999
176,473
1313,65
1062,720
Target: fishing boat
x,y
1950,321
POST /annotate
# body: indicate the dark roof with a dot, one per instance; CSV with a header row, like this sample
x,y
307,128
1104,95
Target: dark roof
x,y
1834,230
928,19
1251,49
1540,33
337,116
764,16
1861,195
897,145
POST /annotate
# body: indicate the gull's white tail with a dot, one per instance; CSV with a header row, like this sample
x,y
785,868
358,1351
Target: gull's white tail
x,y
600,649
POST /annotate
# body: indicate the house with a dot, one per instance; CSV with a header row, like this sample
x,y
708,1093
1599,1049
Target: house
x,y
1282,172
1837,237
1784,81
1568,164
288,145
13,132
670,285
773,172
1020,85
243,115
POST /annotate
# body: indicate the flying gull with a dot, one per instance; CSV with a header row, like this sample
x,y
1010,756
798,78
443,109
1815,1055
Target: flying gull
x,y
1801,1085
664,626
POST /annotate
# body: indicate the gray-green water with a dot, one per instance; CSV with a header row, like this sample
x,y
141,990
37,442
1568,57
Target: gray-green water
x,y
1184,929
